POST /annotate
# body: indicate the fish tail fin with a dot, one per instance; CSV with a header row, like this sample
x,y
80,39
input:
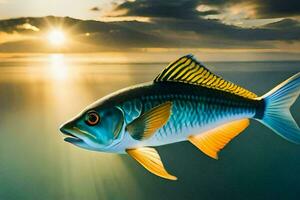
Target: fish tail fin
x,y
277,115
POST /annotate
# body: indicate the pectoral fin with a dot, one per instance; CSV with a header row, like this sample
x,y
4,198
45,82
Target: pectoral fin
x,y
212,141
147,124
150,159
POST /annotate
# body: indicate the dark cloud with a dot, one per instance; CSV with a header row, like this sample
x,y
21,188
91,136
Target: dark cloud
x,y
277,8
95,8
10,25
43,23
174,24
264,8
160,33
186,9
289,24
183,16
183,9
219,31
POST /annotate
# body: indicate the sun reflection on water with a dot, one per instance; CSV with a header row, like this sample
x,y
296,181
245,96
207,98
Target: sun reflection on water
x,y
58,67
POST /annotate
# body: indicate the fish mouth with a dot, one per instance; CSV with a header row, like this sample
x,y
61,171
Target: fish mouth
x,y
72,139
71,134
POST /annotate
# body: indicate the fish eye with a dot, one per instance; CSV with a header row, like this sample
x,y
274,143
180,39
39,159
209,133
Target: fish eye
x,y
92,118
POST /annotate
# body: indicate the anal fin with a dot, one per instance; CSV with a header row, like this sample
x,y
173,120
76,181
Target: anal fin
x,y
212,141
150,159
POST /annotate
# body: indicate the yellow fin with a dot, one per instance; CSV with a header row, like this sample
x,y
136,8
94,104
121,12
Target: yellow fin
x,y
150,159
212,141
188,70
147,124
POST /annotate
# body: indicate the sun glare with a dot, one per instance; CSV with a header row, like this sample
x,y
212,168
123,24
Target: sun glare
x,y
56,37
58,68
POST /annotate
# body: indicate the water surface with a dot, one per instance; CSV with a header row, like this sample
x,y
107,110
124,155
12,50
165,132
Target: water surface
x,y
39,93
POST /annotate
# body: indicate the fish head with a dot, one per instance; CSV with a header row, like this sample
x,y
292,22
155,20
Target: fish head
x,y
95,128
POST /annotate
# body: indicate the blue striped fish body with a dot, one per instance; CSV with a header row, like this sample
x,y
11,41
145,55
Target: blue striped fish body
x,y
194,110
184,102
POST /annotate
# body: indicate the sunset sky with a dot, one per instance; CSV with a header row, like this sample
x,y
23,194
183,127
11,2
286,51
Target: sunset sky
x,y
250,29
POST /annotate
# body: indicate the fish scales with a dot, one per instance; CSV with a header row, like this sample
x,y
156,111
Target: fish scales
x,y
190,112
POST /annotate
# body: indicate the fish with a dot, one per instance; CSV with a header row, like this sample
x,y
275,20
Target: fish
x,y
185,102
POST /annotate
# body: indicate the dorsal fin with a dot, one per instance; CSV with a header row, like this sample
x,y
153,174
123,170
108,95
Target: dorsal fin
x,y
188,70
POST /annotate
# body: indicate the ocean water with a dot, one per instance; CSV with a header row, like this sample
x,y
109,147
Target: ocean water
x,y
38,93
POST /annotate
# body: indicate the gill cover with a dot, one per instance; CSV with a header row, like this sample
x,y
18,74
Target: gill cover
x,y
111,123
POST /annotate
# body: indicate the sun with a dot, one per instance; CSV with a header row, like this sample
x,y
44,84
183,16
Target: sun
x,y
56,37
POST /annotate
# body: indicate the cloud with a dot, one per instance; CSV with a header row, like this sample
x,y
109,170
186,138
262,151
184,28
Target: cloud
x,y
284,24
262,8
278,8
190,31
95,8
159,33
247,13
187,9
196,17
182,9
28,26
